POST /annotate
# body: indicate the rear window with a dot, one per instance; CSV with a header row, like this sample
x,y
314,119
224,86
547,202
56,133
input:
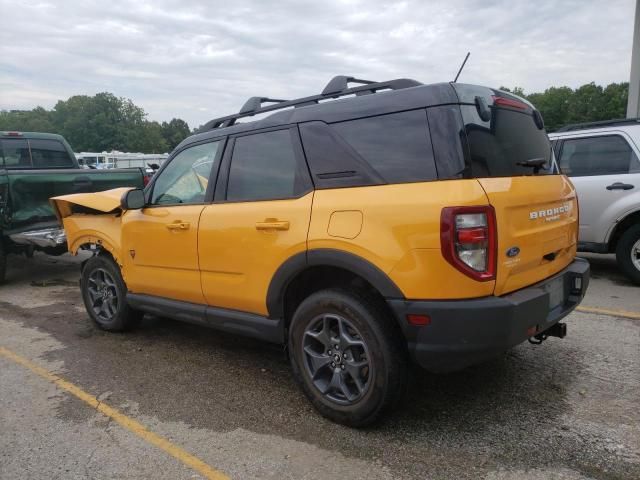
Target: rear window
x,y
49,154
508,138
33,153
15,153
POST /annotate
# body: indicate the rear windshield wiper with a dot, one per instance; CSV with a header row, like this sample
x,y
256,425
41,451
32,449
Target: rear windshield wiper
x,y
535,163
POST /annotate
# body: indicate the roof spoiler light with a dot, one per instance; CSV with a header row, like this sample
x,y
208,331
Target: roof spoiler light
x,y
508,102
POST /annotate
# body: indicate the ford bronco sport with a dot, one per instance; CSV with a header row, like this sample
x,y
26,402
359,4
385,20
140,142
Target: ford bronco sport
x,y
407,221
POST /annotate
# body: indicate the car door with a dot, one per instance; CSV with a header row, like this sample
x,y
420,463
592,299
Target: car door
x,y
260,217
161,240
605,171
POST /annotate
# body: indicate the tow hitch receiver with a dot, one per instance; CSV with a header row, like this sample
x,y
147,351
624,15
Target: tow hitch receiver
x,y
558,330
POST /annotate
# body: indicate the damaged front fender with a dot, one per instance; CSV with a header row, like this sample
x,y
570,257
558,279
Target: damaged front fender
x,y
102,202
92,219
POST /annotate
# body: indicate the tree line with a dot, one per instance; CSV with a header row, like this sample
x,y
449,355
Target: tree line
x,y
104,122
589,103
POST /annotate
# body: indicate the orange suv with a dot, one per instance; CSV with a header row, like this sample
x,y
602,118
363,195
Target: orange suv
x,y
404,222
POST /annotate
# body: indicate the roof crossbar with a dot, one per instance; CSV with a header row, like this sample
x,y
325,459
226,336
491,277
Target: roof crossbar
x,y
254,103
601,123
337,87
340,83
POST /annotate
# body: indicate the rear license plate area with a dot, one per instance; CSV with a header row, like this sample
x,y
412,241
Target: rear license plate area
x,y
555,289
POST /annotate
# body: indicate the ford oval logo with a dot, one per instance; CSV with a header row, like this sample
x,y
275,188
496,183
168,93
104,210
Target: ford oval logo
x,y
513,251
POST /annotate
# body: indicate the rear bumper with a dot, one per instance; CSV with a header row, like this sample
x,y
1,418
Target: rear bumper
x,y
465,332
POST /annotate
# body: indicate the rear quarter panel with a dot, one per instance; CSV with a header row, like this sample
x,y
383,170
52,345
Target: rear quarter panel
x,y
399,232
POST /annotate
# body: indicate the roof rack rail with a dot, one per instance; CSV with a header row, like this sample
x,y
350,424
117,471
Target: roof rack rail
x,y
601,123
337,87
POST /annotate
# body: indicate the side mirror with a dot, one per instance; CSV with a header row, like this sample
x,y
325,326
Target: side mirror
x,y
132,200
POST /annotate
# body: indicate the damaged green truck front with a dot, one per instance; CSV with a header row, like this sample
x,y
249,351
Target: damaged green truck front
x,y
33,168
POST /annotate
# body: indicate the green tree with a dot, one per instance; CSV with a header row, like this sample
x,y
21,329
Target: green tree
x,y
36,120
554,104
146,137
175,131
102,122
590,102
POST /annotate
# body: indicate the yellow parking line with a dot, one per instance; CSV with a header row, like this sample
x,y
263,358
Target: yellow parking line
x,y
125,421
613,313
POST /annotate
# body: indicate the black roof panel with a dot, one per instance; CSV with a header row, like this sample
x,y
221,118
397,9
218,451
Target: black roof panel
x,y
330,111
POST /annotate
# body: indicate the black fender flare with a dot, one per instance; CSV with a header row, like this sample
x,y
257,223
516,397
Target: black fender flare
x,y
330,258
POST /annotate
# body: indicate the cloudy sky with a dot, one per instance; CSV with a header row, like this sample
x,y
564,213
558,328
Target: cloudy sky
x,y
201,59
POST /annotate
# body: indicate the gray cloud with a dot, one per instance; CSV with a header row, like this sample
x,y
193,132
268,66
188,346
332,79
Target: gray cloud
x,y
197,60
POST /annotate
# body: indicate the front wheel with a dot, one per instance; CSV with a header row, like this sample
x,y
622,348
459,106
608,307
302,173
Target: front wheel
x,y
628,253
104,294
347,356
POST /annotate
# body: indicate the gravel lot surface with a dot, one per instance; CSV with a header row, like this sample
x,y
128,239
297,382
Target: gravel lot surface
x,y
566,409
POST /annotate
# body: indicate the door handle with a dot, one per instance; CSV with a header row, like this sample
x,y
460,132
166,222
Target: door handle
x,y
178,226
620,186
270,224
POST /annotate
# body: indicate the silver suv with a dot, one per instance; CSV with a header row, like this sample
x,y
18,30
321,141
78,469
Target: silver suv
x,y
602,160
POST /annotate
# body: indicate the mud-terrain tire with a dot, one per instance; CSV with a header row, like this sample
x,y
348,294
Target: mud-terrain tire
x,y
627,249
104,295
365,377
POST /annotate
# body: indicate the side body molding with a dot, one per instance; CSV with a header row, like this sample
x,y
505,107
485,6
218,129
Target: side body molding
x,y
330,258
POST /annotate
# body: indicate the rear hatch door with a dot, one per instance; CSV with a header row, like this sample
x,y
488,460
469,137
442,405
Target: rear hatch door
x,y
537,228
536,208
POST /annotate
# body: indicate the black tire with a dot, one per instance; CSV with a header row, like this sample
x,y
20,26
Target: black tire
x,y
104,295
624,253
365,393
3,262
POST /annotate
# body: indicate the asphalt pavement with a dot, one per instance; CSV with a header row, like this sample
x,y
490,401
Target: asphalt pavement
x,y
77,402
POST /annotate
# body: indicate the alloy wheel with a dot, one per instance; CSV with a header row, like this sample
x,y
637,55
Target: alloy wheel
x,y
103,294
337,359
635,255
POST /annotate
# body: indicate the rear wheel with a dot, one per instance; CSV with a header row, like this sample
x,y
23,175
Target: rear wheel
x,y
104,294
628,253
347,356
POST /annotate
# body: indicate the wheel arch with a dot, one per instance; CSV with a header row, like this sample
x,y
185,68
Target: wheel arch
x,y
306,264
630,219
97,242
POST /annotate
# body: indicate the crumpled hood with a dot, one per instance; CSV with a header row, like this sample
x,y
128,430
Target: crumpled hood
x,y
106,202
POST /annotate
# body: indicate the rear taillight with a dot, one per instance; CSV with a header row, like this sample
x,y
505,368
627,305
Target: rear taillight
x,y
468,240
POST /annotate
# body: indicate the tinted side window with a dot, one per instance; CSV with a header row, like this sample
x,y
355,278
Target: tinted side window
x,y
186,178
396,146
16,153
447,136
332,161
606,155
49,154
264,167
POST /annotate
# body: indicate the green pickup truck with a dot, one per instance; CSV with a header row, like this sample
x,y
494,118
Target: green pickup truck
x,y
33,168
